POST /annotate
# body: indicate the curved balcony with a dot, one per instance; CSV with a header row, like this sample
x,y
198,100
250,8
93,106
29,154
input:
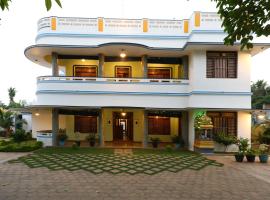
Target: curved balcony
x,y
112,92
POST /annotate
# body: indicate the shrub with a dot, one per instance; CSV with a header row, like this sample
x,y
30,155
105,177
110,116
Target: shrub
x,y
19,135
176,139
25,146
263,149
264,138
242,144
62,136
226,140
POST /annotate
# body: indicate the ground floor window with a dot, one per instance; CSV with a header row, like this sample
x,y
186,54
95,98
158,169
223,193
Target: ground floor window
x,y
159,125
225,122
85,124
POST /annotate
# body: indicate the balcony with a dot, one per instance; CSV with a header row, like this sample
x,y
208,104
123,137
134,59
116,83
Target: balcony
x,y
111,92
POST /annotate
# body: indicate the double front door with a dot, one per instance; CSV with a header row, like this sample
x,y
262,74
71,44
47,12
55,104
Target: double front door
x,y
122,126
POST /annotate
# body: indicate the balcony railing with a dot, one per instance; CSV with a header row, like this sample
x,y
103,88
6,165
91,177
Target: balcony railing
x,y
110,80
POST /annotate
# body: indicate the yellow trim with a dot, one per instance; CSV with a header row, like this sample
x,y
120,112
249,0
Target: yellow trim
x,y
203,144
53,23
145,25
100,25
186,26
197,19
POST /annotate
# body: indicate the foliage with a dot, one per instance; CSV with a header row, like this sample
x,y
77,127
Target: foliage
x,y
202,120
11,94
260,94
242,144
25,146
91,137
155,139
242,19
6,120
226,140
62,136
264,138
263,149
177,139
19,136
169,148
251,152
4,4
256,132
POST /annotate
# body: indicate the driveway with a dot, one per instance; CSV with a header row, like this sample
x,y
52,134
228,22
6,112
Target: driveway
x,y
232,181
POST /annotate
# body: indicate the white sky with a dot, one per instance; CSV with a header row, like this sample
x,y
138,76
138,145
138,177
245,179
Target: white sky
x,y
19,24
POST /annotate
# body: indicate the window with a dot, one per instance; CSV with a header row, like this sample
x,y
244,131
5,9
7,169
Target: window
x,y
160,73
122,71
224,122
221,65
85,124
159,125
85,71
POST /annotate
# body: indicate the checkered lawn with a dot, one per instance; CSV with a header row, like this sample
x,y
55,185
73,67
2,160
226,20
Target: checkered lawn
x,y
146,162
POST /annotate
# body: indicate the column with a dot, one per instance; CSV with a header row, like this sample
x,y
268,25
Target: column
x,y
101,59
55,125
191,130
145,132
100,129
144,64
185,67
185,127
55,68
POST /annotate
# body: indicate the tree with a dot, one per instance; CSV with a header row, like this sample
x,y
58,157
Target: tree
x,y
4,4
6,121
260,94
11,94
244,18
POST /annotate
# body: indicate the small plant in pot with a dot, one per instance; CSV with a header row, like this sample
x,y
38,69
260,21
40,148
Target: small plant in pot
x,y
91,138
178,141
250,155
263,153
242,146
62,137
155,142
77,139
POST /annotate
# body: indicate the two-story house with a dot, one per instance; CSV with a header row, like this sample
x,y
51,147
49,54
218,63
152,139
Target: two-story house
x,y
131,79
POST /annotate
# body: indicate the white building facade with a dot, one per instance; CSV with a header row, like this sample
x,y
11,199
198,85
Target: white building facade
x,y
132,79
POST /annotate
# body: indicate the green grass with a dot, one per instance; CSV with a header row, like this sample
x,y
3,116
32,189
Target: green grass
x,y
98,160
25,146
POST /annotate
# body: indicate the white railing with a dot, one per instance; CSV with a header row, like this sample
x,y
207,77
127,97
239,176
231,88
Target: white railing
x,y
110,80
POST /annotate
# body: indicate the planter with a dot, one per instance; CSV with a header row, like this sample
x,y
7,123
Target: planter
x,y
239,157
78,143
62,143
250,158
155,144
263,158
92,143
177,146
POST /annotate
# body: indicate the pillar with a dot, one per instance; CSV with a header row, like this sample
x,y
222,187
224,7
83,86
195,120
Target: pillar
x,y
100,129
144,64
185,127
55,68
145,132
55,125
191,130
185,67
101,59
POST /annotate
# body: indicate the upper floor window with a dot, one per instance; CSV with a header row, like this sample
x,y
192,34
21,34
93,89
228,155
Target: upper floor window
x,y
160,72
85,71
221,65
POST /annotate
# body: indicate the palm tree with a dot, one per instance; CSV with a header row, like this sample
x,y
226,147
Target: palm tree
x,y
260,94
11,93
6,121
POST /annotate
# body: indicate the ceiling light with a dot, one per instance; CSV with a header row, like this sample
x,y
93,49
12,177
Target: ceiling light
x,y
261,116
37,114
83,60
123,54
123,114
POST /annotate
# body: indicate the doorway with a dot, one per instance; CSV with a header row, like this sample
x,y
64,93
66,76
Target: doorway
x,y
122,126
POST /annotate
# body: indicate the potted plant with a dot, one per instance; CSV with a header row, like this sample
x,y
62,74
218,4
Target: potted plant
x,y
263,153
242,146
62,137
91,138
250,155
155,142
77,139
178,141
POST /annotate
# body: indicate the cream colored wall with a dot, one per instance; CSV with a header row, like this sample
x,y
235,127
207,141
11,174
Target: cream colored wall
x,y
136,68
174,131
44,120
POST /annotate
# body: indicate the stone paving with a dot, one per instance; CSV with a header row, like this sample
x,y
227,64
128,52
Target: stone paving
x,y
232,181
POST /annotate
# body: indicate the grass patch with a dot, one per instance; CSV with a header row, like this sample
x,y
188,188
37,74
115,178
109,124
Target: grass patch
x,y
165,152
70,150
26,146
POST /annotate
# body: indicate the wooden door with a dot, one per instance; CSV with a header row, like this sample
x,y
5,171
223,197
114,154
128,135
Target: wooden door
x,y
122,125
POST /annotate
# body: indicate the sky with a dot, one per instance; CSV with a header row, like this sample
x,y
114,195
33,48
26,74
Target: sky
x,y
18,29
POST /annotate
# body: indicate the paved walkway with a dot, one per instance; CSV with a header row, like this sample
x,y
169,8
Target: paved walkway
x,y
233,181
